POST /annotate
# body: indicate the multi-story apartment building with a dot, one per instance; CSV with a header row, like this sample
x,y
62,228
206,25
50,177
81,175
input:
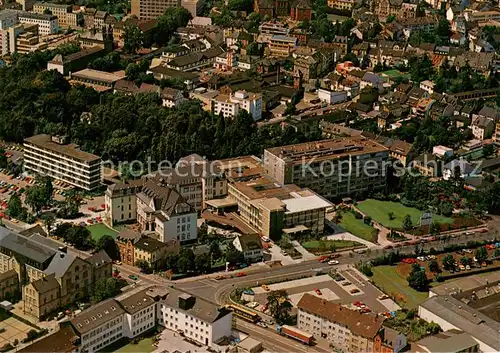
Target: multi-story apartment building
x,y
347,330
141,309
346,5
64,13
282,45
332,168
121,201
152,9
47,24
50,156
230,105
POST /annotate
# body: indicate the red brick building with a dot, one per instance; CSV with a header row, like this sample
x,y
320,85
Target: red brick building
x,y
297,10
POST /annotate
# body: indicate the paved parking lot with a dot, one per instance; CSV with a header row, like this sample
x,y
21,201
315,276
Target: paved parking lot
x,y
333,290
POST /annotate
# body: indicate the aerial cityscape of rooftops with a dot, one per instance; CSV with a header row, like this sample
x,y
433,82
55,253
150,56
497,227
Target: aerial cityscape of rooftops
x,y
250,176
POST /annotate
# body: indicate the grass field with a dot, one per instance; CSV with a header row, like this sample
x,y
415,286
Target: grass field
x,y
318,246
386,278
379,211
99,230
358,227
145,345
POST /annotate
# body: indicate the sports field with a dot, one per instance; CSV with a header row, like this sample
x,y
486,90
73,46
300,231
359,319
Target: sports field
x,y
379,212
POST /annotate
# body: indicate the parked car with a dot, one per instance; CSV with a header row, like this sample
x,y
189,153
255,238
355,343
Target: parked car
x,y
318,292
133,277
382,297
261,324
354,291
333,262
265,287
347,283
241,274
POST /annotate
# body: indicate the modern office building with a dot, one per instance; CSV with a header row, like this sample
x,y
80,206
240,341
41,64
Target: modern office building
x,y
152,9
332,168
50,155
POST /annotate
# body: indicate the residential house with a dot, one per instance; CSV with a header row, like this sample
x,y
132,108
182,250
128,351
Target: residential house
x,y
251,247
125,241
461,166
101,264
153,251
484,123
9,285
427,164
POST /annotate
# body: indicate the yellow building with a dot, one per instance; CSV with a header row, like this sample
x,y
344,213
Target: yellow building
x,y
153,251
41,297
9,285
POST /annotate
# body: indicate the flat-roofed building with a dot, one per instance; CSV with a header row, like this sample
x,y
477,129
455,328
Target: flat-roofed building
x,y
282,45
332,168
64,13
99,80
268,207
47,24
230,105
152,9
49,155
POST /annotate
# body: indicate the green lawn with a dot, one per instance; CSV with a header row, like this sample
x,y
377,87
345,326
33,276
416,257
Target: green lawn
x,y
145,345
386,278
99,230
357,227
379,210
327,244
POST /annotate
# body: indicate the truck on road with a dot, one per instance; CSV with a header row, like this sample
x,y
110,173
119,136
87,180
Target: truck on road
x,y
295,333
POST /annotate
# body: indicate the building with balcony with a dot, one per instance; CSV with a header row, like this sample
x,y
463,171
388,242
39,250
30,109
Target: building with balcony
x,y
50,155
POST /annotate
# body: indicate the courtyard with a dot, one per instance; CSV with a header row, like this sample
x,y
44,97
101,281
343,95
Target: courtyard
x,y
11,329
99,230
357,227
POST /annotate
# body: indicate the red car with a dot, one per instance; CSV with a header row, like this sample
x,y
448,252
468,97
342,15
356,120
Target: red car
x,y
241,274
323,259
318,292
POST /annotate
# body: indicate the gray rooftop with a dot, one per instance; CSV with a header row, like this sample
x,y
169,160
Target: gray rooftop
x,y
465,318
60,264
97,315
449,341
202,309
32,247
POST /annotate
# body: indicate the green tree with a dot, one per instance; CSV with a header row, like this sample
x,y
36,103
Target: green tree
x,y
215,251
15,206
202,263
107,243
481,254
435,228
448,262
279,306
36,198
3,159
391,215
186,262
103,289
407,222
144,266
417,278
464,260
48,220
233,256
132,38
497,253
434,266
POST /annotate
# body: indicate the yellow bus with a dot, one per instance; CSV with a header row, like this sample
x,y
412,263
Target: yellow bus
x,y
244,313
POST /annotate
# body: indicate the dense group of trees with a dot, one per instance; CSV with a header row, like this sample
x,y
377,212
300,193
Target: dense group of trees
x,y
162,33
122,127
